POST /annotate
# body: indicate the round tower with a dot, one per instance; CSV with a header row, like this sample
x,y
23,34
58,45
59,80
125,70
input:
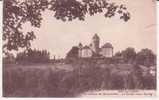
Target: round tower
x,y
95,43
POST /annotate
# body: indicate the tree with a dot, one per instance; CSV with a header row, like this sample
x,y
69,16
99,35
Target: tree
x,y
129,55
137,77
18,12
9,58
146,57
34,56
118,54
73,53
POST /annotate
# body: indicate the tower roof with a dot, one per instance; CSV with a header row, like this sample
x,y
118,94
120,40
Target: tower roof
x,y
107,45
80,44
95,36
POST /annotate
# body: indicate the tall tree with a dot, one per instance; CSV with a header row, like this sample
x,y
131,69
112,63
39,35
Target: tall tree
x,y
35,56
18,12
118,54
129,54
146,57
15,13
73,53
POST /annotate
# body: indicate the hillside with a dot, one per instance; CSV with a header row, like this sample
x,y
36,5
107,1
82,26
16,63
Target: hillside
x,y
65,80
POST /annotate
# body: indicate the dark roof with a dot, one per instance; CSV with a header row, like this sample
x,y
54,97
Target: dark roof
x,y
107,45
95,36
80,44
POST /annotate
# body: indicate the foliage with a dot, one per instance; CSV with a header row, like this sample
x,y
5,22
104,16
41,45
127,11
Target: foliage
x,y
118,54
146,57
77,9
33,56
137,77
18,12
8,58
129,54
73,53
46,82
15,14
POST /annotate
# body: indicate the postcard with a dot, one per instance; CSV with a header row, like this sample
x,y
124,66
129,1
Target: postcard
x,y
79,48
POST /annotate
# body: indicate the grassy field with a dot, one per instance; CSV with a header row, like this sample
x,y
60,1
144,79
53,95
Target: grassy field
x,y
69,80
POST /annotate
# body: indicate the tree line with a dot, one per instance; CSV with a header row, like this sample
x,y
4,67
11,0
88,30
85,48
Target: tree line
x,y
33,56
144,57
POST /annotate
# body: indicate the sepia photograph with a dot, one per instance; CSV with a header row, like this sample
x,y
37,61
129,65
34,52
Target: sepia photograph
x,y
79,48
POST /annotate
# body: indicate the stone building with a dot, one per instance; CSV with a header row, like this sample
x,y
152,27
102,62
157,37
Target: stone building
x,y
94,49
107,50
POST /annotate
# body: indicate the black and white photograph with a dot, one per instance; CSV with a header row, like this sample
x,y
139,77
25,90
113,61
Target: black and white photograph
x,y
79,48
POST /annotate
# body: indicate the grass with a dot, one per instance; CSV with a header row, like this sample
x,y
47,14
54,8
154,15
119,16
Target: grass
x,y
69,80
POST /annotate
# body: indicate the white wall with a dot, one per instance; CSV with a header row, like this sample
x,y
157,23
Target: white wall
x,y
107,52
86,53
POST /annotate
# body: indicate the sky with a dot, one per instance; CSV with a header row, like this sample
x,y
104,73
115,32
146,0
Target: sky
x,y
139,32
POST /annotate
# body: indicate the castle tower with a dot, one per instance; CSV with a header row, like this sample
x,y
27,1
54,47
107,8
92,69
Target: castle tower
x,y
95,43
80,46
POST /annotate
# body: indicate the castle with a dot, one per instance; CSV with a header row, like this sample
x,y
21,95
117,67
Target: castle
x,y
94,50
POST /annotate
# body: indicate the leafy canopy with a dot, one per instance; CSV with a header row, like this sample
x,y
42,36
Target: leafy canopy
x,y
146,57
18,12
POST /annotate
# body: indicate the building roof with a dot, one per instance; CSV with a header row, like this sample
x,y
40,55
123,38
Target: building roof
x,y
95,36
107,45
80,44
